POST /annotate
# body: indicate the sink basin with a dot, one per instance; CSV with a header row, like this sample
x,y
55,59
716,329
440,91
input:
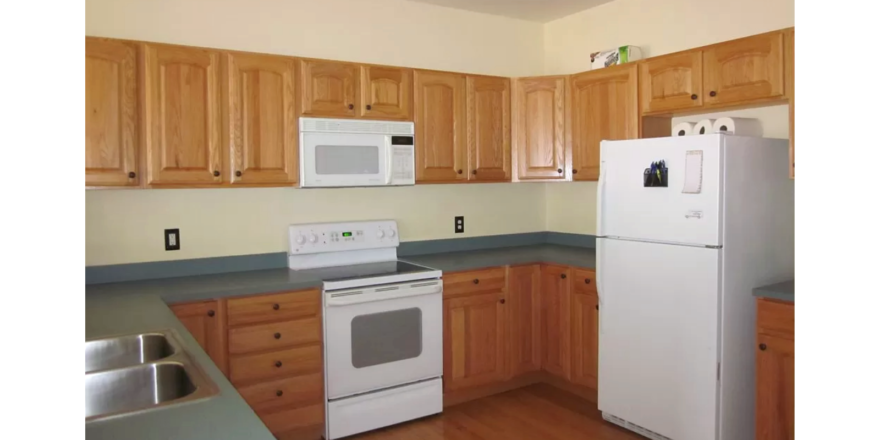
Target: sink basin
x,y
127,351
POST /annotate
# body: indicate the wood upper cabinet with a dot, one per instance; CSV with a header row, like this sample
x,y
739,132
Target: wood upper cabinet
x,y
111,113
387,92
539,112
524,312
671,82
182,116
774,381
584,329
475,340
789,92
555,316
259,110
206,321
329,88
747,69
488,128
604,106
441,136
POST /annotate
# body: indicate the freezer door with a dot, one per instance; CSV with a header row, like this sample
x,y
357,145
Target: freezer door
x,y
626,208
658,333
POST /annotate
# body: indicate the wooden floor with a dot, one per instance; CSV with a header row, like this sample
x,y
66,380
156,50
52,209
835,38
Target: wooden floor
x,y
536,412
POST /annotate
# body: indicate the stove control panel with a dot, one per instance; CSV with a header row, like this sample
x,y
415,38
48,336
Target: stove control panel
x,y
312,238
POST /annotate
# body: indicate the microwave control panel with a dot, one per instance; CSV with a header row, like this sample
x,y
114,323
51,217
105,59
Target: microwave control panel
x,y
315,238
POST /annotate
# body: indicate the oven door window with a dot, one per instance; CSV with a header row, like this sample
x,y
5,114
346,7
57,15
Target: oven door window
x,y
385,337
346,159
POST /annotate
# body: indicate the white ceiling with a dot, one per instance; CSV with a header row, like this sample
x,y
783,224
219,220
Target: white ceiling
x,y
533,10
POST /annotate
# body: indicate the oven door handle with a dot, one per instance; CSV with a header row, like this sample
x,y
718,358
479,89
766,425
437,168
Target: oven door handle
x,y
358,296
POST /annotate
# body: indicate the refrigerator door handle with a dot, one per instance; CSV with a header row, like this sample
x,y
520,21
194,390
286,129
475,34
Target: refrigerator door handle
x,y
600,291
600,199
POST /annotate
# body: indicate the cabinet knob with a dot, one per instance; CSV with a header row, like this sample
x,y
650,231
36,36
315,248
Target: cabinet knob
x,y
563,276
459,171
502,300
211,313
131,175
476,281
279,393
559,170
277,335
574,171
694,96
275,307
762,347
474,172
278,364
238,174
369,107
351,106
216,173
712,93
586,281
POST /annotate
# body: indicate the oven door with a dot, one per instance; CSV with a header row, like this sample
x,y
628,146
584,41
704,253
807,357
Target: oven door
x,y
341,159
381,336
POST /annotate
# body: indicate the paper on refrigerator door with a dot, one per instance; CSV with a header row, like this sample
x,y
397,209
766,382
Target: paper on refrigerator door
x,y
693,172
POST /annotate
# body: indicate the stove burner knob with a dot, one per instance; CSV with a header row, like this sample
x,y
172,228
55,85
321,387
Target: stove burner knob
x,y
380,234
391,233
300,239
313,238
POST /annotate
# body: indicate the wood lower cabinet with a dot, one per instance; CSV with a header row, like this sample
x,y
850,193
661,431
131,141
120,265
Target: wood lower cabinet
x,y
671,82
539,128
524,312
604,106
206,322
748,69
488,128
329,88
774,371
475,337
584,329
112,131
182,116
259,110
555,320
441,135
387,93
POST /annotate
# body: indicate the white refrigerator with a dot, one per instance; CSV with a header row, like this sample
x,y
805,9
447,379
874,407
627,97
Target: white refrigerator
x,y
676,265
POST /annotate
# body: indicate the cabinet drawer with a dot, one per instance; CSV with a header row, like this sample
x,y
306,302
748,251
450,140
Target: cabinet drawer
x,y
274,335
289,362
775,318
584,281
275,307
287,419
473,281
290,391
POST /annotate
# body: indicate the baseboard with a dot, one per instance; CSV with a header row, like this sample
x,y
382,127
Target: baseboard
x,y
460,396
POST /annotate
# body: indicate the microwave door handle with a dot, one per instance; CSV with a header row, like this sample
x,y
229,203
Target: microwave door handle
x,y
389,160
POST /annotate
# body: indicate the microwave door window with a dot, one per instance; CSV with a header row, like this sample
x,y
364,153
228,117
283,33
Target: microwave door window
x,y
347,159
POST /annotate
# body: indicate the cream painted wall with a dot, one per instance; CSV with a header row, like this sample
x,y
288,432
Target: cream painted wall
x,y
395,32
657,27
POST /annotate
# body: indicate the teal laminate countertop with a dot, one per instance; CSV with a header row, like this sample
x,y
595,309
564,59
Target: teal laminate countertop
x,y
541,253
783,291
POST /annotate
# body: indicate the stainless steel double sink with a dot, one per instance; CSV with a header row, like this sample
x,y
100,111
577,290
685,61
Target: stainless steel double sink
x,y
134,373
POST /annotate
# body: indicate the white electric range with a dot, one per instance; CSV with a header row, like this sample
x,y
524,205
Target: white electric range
x,y
383,325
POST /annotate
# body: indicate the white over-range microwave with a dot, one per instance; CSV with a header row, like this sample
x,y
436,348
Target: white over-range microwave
x,y
345,152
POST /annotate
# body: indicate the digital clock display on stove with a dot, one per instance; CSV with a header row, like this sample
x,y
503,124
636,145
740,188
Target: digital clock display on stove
x,y
346,234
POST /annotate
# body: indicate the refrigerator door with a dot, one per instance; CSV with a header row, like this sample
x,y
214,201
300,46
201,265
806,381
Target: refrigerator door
x,y
628,209
658,336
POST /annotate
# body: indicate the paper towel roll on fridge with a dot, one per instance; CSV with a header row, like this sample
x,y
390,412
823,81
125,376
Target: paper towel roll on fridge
x,y
683,129
704,127
738,126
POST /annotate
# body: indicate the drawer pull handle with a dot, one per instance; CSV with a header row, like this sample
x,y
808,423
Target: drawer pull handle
x,y
502,301
563,276
211,313
279,393
586,281
278,364
276,307
277,335
476,281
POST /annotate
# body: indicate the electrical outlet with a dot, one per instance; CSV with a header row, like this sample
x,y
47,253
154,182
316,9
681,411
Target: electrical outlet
x,y
459,224
172,239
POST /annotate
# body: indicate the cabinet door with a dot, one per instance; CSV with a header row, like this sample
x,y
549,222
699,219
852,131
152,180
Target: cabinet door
x,y
329,88
672,82
774,382
789,91
524,312
744,70
182,116
260,114
441,142
584,338
387,92
555,329
604,106
539,111
488,128
474,340
206,321
111,113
